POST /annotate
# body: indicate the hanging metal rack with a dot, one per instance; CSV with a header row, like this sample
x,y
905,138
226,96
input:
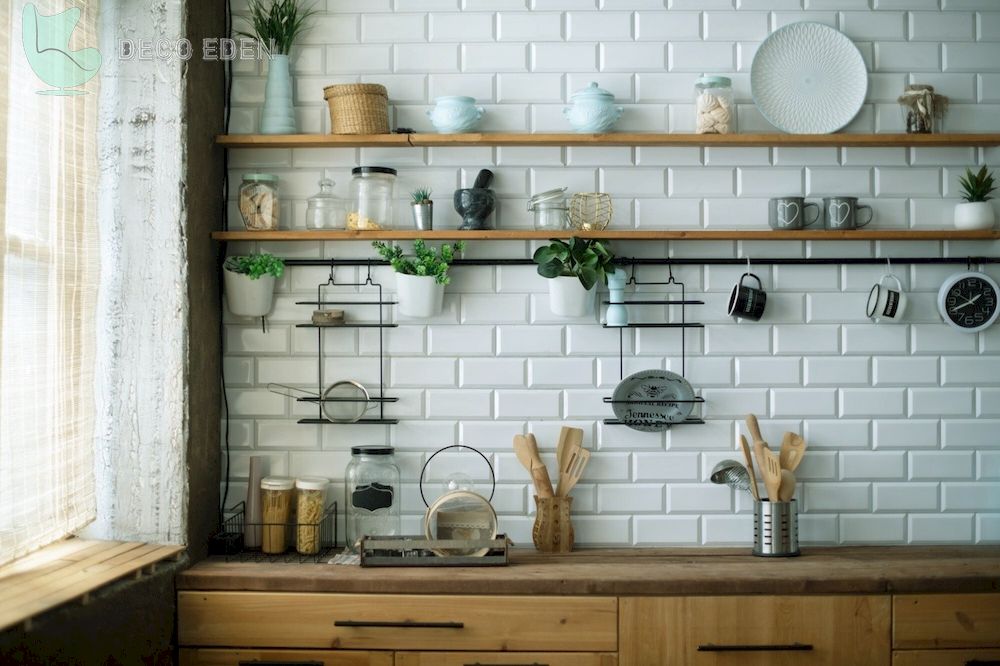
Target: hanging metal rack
x,y
381,303
683,302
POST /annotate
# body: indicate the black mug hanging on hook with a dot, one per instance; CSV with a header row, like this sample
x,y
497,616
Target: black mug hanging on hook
x,y
746,301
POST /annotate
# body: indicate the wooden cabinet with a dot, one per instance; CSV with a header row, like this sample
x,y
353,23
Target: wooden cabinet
x,y
946,658
217,657
397,622
754,630
505,659
946,621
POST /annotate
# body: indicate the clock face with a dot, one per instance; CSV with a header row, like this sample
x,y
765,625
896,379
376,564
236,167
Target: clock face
x,y
969,301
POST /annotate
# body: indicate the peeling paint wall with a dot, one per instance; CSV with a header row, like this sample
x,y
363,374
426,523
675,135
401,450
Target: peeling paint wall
x,y
143,307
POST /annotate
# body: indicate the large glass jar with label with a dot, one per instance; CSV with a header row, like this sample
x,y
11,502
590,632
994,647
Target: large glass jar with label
x,y
372,487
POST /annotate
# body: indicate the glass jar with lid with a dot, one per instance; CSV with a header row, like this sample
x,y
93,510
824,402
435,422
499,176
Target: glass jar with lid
x,y
550,209
276,502
714,109
372,489
372,198
323,210
310,494
258,201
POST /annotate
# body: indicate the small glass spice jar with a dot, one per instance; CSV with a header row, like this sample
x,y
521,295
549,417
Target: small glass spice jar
x,y
323,210
258,201
309,506
550,209
714,109
921,108
372,487
372,198
276,503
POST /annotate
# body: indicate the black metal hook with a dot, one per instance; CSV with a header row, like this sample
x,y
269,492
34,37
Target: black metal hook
x,y
368,280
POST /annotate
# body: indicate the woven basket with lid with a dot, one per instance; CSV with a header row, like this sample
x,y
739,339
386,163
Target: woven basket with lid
x,y
358,108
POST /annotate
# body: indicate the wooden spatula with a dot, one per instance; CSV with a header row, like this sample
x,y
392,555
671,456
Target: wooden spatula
x,y
753,476
793,447
754,429
572,469
771,469
539,473
786,491
567,437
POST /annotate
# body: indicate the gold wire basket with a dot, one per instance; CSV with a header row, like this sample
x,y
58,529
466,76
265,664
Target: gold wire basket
x,y
590,211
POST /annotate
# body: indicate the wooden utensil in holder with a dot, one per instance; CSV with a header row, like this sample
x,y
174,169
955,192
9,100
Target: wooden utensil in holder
x,y
553,528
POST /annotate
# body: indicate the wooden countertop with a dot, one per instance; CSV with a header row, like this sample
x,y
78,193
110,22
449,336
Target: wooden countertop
x,y
645,571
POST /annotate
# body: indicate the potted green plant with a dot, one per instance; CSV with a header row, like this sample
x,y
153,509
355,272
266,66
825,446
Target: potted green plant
x,y
420,279
574,269
249,281
276,25
423,209
976,212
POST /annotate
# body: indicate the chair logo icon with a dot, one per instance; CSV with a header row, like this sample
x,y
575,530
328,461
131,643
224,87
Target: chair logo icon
x,y
46,46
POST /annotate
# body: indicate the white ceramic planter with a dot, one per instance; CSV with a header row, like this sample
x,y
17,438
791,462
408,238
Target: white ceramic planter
x,y
974,215
419,295
568,298
246,297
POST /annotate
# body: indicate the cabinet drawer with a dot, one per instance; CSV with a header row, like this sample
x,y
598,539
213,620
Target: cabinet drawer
x,y
397,622
946,658
754,631
946,620
213,657
504,659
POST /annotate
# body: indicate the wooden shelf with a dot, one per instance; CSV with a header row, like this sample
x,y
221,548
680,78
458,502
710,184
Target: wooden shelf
x,y
613,139
611,234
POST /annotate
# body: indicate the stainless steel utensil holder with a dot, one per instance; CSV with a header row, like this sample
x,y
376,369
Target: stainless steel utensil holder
x,y
775,529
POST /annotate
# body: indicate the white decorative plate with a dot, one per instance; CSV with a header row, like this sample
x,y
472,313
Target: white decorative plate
x,y
644,401
808,78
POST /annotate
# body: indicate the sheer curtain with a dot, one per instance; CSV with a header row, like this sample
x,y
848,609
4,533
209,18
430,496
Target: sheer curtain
x,y
48,286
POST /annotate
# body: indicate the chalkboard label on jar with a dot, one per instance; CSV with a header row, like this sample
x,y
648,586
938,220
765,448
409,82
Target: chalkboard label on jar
x,y
372,496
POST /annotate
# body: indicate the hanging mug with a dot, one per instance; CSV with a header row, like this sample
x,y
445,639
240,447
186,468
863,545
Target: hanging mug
x,y
841,213
790,213
886,304
747,302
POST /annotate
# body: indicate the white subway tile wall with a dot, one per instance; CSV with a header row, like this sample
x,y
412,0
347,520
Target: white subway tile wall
x,y
902,419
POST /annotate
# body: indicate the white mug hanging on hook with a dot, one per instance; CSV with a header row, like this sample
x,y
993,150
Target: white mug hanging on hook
x,y
886,300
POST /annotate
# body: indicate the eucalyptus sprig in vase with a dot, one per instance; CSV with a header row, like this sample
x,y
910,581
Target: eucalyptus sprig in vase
x,y
976,211
276,25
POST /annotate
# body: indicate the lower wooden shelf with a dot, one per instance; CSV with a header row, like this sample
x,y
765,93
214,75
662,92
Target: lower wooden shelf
x,y
611,234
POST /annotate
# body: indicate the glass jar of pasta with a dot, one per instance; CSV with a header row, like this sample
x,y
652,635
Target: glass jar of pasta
x,y
310,504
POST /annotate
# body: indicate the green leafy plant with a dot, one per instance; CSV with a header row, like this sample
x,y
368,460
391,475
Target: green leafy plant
x,y
586,259
421,195
255,266
977,187
428,262
277,23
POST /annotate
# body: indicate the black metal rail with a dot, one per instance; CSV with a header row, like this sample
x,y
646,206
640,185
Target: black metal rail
x,y
684,261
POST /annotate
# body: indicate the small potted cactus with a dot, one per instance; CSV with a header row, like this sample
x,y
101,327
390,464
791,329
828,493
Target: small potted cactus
x,y
423,209
976,212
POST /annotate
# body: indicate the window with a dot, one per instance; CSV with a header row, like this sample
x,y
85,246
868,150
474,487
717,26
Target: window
x,y
48,287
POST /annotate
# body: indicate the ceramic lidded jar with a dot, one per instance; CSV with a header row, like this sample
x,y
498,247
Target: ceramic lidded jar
x,y
593,110
455,114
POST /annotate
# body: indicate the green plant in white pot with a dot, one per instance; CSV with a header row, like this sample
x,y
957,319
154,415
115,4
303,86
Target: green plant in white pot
x,y
421,279
574,269
976,212
249,281
276,25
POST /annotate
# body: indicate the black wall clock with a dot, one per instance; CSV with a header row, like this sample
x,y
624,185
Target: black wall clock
x,y
969,301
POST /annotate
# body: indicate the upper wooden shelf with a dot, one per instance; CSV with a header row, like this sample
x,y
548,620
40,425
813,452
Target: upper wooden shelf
x,y
613,139
610,234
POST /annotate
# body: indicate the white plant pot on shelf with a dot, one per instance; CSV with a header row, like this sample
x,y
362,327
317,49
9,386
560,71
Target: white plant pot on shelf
x,y
974,215
419,295
568,298
246,297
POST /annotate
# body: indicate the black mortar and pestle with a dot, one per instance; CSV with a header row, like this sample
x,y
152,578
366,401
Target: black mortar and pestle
x,y
476,203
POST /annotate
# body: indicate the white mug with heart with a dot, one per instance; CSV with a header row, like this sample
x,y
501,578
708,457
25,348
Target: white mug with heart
x,y
886,303
841,213
786,213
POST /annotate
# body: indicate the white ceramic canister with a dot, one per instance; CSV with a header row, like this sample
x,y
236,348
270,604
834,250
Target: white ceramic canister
x,y
593,110
455,114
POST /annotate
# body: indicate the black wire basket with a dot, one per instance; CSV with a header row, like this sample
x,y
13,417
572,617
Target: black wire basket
x,y
229,542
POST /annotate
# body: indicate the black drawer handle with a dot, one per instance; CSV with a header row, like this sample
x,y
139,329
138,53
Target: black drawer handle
x,y
479,663
980,662
406,624
788,647
258,662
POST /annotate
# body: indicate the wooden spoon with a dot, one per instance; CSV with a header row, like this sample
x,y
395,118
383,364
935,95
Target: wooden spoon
x,y
754,429
771,470
539,473
793,447
753,476
569,439
786,491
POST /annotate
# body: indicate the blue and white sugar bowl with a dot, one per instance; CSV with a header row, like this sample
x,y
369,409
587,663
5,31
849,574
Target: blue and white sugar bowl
x,y
455,114
593,110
